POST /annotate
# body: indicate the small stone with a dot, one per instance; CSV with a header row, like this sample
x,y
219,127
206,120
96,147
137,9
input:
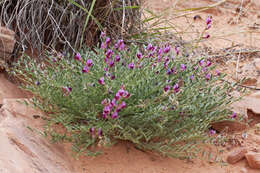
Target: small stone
x,y
229,126
253,160
255,150
236,155
229,148
244,135
250,81
257,127
7,42
257,64
36,116
243,170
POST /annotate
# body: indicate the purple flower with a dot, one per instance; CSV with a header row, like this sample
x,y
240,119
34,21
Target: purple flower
x,y
68,89
201,63
105,69
89,62
109,53
204,69
126,94
112,77
111,63
173,69
78,57
212,132
139,55
217,73
104,115
108,40
166,65
85,69
103,46
117,58
169,72
183,67
107,109
208,27
167,49
208,64
208,76
151,54
92,130
177,50
118,109
207,36
37,83
101,81
121,92
54,60
234,115
159,52
104,102
166,88
114,115
103,34
192,77
113,102
176,88
150,47
131,65
208,20
116,46
121,45
99,132
117,97
159,59
166,59
122,105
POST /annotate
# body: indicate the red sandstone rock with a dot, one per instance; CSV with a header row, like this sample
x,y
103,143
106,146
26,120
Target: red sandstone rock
x,y
229,126
7,42
253,159
236,155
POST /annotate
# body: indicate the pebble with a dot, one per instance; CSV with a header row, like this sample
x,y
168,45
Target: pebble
x,y
253,160
236,155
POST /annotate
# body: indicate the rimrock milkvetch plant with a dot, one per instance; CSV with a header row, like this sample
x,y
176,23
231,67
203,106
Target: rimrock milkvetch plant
x,y
149,95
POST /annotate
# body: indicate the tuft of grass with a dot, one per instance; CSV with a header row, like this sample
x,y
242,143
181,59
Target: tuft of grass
x,y
68,25
150,95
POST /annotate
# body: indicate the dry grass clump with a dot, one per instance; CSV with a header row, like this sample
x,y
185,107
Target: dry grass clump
x,y
68,25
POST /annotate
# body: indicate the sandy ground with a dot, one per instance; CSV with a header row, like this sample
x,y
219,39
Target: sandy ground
x,y
24,151
230,26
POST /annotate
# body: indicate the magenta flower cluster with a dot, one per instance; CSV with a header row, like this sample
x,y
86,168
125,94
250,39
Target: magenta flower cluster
x,y
204,65
234,115
66,90
105,44
175,88
208,26
120,45
95,132
78,57
86,68
114,106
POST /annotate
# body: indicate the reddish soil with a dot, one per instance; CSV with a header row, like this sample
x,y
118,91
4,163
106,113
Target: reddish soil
x,y
26,151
